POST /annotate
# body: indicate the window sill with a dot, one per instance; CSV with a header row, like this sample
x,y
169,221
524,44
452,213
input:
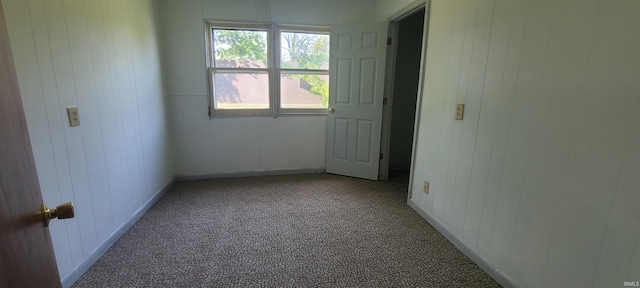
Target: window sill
x,y
288,114
268,115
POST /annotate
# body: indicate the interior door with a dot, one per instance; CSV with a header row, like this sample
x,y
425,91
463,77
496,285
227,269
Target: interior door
x,y
358,54
26,252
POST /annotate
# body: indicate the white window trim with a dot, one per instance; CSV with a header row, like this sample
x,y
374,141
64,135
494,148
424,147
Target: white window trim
x,y
273,69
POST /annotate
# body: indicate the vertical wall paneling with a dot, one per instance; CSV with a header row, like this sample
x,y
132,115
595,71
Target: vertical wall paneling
x,y
472,99
496,60
92,55
450,58
598,147
130,113
82,67
136,43
459,96
622,236
148,72
105,103
565,67
121,58
67,93
535,45
540,179
507,88
120,201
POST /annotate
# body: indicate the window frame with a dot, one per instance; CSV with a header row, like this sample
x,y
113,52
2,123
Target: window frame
x,y
278,67
273,69
211,69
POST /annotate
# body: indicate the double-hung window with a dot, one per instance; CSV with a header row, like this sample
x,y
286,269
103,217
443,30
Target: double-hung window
x,y
253,73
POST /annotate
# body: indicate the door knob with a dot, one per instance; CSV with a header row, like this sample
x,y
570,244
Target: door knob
x,y
64,211
331,110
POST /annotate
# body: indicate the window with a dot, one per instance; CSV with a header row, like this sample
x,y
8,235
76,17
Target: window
x,y
248,76
304,70
239,69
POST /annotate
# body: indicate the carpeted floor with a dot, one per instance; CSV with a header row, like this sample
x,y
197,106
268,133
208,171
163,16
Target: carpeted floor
x,y
312,230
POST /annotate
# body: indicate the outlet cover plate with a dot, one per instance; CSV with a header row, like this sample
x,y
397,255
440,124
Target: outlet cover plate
x,y
460,112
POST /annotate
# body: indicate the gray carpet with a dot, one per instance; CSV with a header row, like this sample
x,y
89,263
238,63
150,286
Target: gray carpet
x,y
311,230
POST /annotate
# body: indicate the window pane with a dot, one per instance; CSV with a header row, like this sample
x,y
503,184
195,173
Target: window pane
x,y
304,50
240,48
241,90
304,91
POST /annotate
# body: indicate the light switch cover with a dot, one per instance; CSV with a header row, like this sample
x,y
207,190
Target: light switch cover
x,y
74,116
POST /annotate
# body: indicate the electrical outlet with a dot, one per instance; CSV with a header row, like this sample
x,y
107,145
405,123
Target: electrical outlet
x,y
460,112
74,116
426,187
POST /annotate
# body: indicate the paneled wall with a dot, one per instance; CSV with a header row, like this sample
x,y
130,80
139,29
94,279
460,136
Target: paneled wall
x,y
247,144
102,57
541,178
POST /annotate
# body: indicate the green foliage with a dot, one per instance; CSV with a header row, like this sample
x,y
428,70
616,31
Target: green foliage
x,y
318,87
240,45
307,51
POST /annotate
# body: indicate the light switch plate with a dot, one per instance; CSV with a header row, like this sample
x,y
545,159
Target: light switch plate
x,y
426,187
74,116
460,112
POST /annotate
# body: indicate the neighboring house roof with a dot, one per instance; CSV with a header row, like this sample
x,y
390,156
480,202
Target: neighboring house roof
x,y
254,88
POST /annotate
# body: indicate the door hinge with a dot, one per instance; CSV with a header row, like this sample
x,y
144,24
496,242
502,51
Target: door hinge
x,y
384,101
210,111
381,156
389,41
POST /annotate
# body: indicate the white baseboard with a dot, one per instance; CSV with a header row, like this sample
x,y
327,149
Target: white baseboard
x,y
72,277
250,174
484,265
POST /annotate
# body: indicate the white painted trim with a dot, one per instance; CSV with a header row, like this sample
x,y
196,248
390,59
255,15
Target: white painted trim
x,y
408,10
251,173
188,95
72,277
483,263
423,64
389,86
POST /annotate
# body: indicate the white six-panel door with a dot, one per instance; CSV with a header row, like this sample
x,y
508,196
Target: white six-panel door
x,y
356,94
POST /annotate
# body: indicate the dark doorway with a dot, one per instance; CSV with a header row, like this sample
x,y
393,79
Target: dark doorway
x,y
405,93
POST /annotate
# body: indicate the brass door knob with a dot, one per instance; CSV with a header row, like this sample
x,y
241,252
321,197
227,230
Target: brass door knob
x,y
64,211
331,110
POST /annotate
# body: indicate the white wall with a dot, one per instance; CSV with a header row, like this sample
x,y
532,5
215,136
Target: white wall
x,y
541,178
249,144
387,8
103,57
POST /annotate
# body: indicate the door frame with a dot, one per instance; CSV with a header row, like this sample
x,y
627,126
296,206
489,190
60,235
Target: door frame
x,y
390,70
